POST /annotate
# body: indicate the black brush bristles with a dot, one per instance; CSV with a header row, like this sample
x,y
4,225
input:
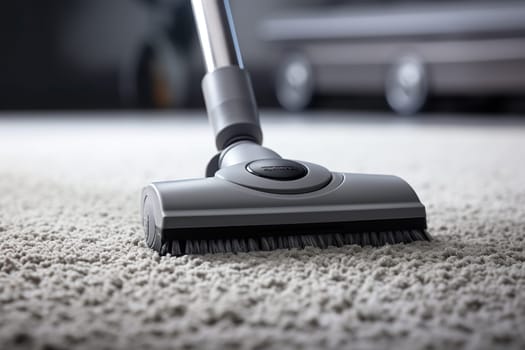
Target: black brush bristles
x,y
268,243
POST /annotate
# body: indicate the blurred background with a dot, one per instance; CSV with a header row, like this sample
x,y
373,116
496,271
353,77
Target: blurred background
x,y
379,55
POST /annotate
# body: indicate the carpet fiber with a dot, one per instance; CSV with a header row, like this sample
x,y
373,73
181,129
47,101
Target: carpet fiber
x,y
75,273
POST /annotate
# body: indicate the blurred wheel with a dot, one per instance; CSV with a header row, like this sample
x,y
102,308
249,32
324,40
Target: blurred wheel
x,y
406,86
295,83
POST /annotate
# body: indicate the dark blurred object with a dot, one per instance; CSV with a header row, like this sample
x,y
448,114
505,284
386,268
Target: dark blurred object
x,y
161,72
95,54
65,53
406,51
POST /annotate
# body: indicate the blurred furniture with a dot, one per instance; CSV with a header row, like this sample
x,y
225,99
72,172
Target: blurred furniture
x,y
77,54
407,51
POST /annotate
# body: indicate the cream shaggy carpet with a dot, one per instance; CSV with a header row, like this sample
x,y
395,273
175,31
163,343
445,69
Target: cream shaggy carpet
x,y
75,273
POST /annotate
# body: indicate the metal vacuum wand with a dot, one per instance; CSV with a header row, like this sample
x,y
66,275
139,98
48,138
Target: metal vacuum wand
x,y
227,88
217,34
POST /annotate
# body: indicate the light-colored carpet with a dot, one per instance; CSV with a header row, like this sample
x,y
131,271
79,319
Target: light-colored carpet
x,y
75,273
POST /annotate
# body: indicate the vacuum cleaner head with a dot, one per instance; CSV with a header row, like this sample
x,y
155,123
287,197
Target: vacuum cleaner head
x,y
280,204
253,199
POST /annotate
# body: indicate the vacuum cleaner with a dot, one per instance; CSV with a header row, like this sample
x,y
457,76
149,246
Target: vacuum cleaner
x,y
251,198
